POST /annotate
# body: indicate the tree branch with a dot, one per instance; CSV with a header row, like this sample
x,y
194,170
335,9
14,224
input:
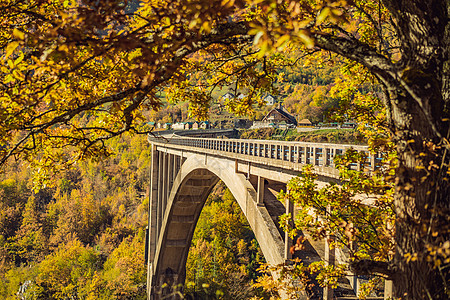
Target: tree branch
x,y
370,267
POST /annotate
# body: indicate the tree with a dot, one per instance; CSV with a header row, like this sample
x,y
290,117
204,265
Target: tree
x,y
76,73
67,272
415,82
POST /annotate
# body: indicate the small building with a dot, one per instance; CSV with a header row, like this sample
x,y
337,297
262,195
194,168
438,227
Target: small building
x,y
305,123
167,126
188,125
228,96
278,114
270,100
178,126
195,125
205,125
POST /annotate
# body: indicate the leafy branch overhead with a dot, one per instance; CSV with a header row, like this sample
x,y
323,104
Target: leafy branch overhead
x,y
75,73
88,74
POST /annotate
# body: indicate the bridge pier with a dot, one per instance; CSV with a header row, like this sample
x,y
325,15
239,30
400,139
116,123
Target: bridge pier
x,y
260,191
287,240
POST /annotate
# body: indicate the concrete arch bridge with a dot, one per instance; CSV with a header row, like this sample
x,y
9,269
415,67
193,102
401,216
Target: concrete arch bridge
x,y
184,170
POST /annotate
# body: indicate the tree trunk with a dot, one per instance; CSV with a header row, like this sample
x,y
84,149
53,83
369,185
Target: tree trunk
x,y
419,113
422,209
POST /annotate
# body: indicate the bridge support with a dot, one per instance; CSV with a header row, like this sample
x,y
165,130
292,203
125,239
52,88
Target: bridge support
x,y
328,292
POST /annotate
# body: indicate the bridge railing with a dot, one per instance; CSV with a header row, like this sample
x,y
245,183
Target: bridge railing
x,y
316,154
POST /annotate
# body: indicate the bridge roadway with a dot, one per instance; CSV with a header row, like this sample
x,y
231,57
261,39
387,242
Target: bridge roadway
x,y
184,170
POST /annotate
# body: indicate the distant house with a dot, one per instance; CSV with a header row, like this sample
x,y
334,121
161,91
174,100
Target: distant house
x,y
167,125
278,114
241,96
205,125
228,96
188,125
305,123
195,125
178,126
270,100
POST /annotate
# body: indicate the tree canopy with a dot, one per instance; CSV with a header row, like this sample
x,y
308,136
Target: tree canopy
x,y
75,73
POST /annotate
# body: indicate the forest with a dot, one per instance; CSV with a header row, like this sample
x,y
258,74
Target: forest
x,y
83,235
80,78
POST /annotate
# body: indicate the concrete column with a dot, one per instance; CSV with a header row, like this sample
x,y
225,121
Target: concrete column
x,y
316,156
328,293
287,240
260,195
174,167
165,188
388,290
153,205
332,154
160,192
169,173
372,161
300,157
307,155
291,153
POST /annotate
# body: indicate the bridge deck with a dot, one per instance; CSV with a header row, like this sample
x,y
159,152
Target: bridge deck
x,y
286,155
267,166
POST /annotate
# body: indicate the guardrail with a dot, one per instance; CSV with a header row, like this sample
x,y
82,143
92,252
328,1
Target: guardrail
x,y
316,154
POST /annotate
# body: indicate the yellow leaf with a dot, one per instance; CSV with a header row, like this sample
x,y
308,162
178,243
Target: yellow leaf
x,y
306,39
18,34
227,3
323,15
19,59
10,48
281,41
257,37
63,48
206,27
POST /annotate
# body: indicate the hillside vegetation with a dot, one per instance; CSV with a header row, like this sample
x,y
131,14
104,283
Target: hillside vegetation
x,y
82,237
335,136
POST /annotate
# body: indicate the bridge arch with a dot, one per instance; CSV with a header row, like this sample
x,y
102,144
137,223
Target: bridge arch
x,y
195,178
